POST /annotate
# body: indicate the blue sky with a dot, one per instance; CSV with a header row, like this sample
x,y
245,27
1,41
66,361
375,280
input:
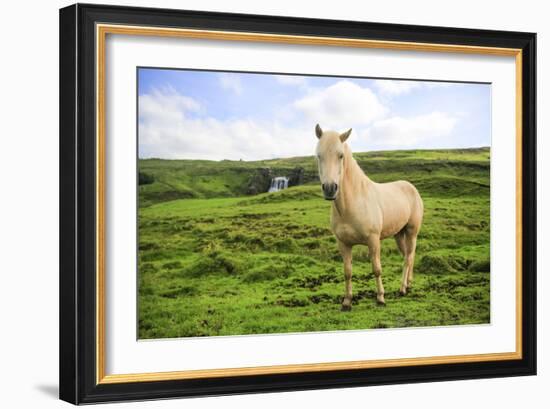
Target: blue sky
x,y
187,114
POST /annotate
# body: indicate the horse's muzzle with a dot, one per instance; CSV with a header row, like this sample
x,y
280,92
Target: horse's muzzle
x,y
329,190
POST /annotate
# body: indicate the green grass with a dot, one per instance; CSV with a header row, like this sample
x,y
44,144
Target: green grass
x,y
213,261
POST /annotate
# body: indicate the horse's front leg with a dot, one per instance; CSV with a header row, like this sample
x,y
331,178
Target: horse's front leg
x,y
345,250
374,250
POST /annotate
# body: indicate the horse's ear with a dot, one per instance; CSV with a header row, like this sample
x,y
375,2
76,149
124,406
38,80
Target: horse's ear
x,y
345,135
318,131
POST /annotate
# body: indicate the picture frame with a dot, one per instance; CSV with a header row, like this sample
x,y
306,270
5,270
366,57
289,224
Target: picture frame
x,y
83,219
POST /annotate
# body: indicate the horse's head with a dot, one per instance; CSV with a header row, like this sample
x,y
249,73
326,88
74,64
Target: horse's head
x,y
330,158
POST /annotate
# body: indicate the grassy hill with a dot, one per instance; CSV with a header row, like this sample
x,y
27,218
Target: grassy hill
x,y
443,171
214,260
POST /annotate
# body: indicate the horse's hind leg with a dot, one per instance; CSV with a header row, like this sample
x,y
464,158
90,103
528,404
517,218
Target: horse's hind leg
x,y
345,250
374,250
401,241
408,265
411,246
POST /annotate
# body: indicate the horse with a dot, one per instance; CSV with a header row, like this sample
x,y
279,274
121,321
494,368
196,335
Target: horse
x,y
364,212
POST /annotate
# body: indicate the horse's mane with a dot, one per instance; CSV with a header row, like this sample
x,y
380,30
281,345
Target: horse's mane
x,y
352,168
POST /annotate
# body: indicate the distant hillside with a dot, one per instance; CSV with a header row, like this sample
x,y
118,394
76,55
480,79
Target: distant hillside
x,y
451,172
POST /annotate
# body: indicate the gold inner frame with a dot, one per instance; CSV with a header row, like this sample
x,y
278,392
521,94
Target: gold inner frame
x,y
101,33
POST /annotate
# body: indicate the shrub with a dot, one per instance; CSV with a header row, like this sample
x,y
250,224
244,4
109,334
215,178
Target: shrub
x,y
145,178
269,272
215,262
481,266
434,265
450,264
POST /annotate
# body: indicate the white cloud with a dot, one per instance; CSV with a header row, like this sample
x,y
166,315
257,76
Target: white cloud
x,y
172,133
166,104
406,132
401,87
291,80
341,106
230,82
169,126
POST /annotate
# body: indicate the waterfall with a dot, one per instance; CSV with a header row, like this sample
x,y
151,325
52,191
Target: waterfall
x,y
278,183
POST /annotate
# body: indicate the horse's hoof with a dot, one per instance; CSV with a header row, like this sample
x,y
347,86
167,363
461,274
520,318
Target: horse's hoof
x,y
380,301
346,307
402,292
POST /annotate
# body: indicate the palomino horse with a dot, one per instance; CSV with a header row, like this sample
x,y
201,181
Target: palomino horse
x,y
366,212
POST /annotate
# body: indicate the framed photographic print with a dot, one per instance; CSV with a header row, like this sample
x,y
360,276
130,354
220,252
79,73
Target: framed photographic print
x,y
258,203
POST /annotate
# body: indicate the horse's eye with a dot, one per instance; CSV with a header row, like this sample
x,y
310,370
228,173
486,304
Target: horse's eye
x,y
341,156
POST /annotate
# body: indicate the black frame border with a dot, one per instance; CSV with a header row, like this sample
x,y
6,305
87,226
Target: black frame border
x,y
77,316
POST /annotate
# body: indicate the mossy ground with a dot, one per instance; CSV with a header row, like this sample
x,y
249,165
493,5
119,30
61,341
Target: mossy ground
x,y
214,262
